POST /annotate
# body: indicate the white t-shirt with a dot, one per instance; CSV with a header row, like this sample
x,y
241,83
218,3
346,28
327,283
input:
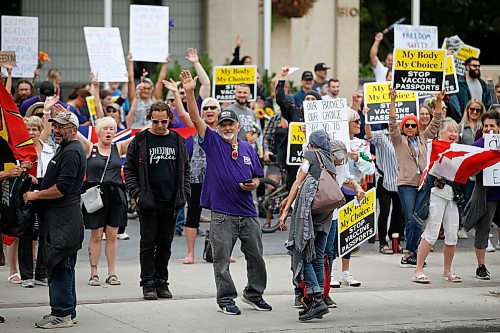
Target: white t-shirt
x,y
380,72
475,88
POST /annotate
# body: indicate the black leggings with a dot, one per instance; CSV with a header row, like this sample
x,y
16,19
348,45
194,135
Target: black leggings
x,y
385,198
194,207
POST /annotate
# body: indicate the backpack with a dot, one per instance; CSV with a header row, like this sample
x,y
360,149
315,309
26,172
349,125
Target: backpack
x,y
16,217
207,249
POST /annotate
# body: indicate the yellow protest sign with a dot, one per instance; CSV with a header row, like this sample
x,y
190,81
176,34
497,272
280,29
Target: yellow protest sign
x,y
296,140
91,105
450,79
226,78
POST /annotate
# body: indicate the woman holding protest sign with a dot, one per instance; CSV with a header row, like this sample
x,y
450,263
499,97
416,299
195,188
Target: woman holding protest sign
x,y
410,145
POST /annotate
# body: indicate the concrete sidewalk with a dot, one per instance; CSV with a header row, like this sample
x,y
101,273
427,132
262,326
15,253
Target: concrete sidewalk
x,y
387,301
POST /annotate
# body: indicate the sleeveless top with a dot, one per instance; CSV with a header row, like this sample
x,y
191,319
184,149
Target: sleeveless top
x,y
140,113
96,163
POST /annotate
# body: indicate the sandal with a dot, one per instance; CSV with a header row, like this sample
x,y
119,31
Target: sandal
x,y
452,277
420,278
15,278
188,261
94,281
112,280
385,249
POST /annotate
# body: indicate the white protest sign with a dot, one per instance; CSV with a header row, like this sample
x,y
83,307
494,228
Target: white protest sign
x,y
329,115
415,36
20,34
104,47
149,28
491,175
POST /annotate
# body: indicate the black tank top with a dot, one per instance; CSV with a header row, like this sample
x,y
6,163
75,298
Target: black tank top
x,y
96,163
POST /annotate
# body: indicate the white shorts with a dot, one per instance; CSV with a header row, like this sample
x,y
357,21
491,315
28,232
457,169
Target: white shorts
x,y
441,211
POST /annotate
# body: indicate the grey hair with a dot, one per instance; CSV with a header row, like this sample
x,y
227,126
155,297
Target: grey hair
x,y
445,124
353,115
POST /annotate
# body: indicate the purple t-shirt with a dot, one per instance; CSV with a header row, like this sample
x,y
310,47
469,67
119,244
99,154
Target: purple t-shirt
x,y
221,191
492,193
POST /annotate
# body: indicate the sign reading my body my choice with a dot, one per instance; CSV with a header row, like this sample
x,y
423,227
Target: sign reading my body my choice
x,y
377,98
296,140
226,78
329,115
450,79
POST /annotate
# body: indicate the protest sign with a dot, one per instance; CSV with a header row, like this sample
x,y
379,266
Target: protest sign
x,y
149,29
491,175
104,47
415,36
377,98
356,223
296,140
226,78
460,52
8,58
329,115
20,34
450,78
91,106
418,70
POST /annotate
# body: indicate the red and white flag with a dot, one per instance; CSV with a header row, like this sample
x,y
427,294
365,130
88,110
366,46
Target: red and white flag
x,y
456,162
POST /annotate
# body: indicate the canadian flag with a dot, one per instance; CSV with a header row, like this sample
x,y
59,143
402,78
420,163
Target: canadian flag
x,y
456,162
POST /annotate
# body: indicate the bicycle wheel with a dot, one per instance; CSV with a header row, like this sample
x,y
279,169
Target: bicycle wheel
x,y
269,203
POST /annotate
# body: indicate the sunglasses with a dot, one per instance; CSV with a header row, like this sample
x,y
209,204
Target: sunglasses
x,y
212,107
234,153
357,121
157,121
112,111
410,125
475,66
478,110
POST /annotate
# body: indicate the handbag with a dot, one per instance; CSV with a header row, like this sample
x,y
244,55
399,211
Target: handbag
x,y
328,196
91,198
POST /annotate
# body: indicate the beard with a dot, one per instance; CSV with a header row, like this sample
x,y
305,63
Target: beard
x,y
473,74
228,136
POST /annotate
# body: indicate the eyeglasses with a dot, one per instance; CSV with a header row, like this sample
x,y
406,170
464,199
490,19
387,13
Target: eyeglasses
x,y
357,121
58,127
210,107
39,115
478,110
234,153
475,66
410,125
157,121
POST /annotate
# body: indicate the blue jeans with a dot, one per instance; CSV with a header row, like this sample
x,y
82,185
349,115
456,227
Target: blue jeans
x,y
331,244
181,217
62,291
411,202
314,271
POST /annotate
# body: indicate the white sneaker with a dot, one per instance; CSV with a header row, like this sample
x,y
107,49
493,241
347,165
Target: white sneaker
x,y
462,234
348,279
490,247
29,283
334,283
123,236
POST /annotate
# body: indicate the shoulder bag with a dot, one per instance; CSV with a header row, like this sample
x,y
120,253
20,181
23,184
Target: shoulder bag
x,y
91,198
328,196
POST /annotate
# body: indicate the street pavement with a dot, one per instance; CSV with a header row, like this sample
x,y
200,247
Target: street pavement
x,y
387,301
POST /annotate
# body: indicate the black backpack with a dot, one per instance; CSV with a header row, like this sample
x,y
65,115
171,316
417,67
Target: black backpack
x,y
207,249
16,217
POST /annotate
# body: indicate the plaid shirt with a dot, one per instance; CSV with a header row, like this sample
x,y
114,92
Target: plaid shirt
x,y
269,140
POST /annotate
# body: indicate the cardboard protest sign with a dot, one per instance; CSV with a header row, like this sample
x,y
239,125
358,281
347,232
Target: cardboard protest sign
x,y
20,35
418,70
296,140
149,30
356,223
104,47
491,175
329,115
415,36
460,52
376,95
8,58
226,78
450,78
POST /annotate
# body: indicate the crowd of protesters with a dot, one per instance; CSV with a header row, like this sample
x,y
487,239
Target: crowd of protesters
x,y
219,167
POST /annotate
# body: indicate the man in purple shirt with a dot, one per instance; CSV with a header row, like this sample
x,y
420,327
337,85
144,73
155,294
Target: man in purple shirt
x,y
233,171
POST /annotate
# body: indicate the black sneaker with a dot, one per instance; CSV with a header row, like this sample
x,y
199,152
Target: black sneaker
x,y
259,305
482,273
316,309
149,291
229,309
408,262
162,289
330,302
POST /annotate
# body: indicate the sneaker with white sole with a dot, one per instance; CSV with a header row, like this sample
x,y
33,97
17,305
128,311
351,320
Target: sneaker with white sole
x,y
51,321
42,282
334,283
490,247
259,305
123,236
462,234
230,309
349,280
29,283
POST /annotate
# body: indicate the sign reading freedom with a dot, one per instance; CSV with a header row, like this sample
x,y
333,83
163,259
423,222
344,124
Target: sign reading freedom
x,y
356,223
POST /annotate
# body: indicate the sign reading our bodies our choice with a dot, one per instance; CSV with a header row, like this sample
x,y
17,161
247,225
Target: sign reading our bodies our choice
x,y
329,115
415,37
491,175
296,141
356,223
104,47
377,98
226,78
20,34
149,29
419,70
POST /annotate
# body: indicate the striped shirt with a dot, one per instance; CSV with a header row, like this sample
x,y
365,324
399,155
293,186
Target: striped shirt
x,y
387,161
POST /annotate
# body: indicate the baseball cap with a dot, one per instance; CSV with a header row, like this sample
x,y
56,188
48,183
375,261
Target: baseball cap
x,y
227,115
46,88
114,106
321,67
307,75
65,118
